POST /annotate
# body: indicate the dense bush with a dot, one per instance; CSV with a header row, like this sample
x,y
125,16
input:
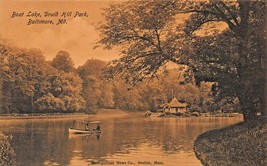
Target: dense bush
x,y
6,152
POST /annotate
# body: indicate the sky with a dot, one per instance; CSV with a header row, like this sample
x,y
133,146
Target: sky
x,y
78,36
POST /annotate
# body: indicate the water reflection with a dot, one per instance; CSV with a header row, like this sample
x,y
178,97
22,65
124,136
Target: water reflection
x,y
133,139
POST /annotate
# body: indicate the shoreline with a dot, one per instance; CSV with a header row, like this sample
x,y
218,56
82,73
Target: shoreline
x,y
239,144
44,116
99,114
190,115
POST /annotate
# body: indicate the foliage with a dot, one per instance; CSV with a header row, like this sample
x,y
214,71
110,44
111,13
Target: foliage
x,y
233,58
30,84
36,86
21,73
91,67
63,62
126,98
49,103
151,33
61,94
96,91
106,99
145,32
7,155
171,84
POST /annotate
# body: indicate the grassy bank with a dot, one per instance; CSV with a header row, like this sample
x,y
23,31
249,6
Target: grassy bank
x,y
99,114
42,116
6,152
241,144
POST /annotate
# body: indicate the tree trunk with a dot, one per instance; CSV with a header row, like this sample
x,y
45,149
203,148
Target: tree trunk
x,y
263,66
262,89
249,102
251,89
247,73
1,97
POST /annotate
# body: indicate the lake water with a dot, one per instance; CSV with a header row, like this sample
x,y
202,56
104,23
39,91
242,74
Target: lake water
x,y
132,139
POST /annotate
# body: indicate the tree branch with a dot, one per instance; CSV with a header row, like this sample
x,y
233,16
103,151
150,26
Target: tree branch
x,y
158,39
199,11
224,17
144,55
230,12
206,21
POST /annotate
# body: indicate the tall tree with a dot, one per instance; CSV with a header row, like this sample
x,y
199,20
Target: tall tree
x,y
60,92
149,36
145,31
63,62
22,70
30,84
96,91
234,58
126,98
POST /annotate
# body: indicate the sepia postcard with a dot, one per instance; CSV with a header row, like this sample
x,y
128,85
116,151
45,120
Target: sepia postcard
x,y
133,82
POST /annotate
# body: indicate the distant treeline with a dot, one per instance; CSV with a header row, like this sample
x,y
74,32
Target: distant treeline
x,y
30,84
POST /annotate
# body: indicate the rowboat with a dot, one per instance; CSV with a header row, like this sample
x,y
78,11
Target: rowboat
x,y
77,131
85,127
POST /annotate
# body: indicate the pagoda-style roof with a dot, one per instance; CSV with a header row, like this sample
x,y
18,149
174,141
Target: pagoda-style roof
x,y
176,104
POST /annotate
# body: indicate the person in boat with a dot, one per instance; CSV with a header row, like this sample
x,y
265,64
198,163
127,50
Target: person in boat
x,y
87,127
97,127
